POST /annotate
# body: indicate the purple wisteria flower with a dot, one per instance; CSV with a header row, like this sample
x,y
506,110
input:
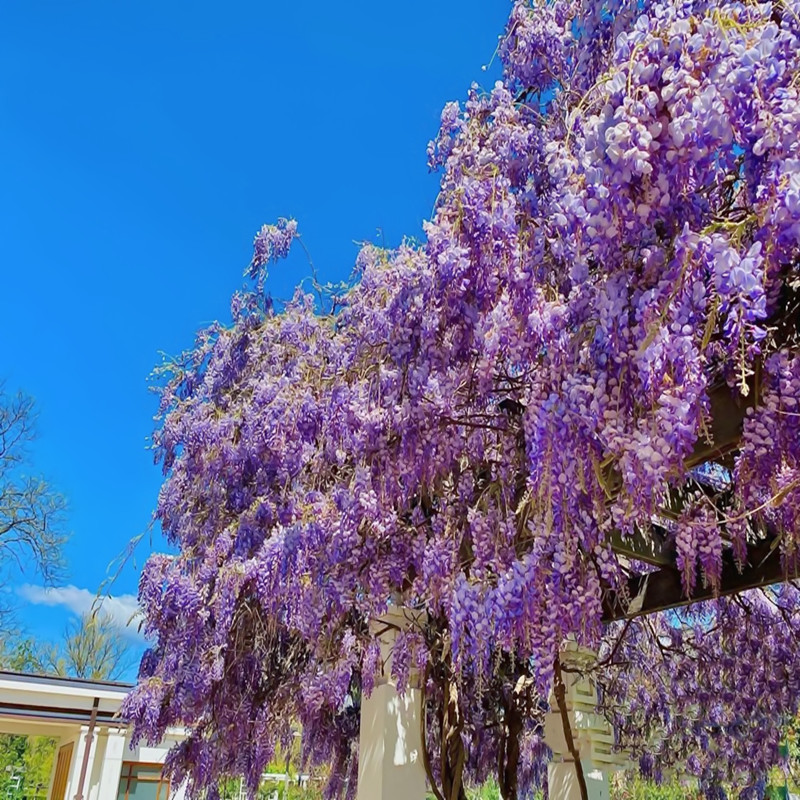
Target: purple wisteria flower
x,y
483,415
271,244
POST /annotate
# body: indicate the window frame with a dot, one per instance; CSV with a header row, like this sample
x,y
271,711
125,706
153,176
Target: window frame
x,y
129,775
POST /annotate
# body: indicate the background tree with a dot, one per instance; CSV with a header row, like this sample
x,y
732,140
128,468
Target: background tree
x,y
31,513
92,647
19,654
25,765
12,760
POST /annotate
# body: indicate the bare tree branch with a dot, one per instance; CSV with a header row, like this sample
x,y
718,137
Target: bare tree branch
x,y
92,648
31,513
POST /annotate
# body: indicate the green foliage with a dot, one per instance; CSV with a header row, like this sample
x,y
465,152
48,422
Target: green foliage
x,y
25,765
489,791
230,789
92,648
38,762
630,786
12,754
21,656
312,791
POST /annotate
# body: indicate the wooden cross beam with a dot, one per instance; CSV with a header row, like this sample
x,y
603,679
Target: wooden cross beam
x,y
727,414
654,548
662,590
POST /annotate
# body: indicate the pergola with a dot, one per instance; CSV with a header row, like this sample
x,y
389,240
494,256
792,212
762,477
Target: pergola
x,y
661,589
390,765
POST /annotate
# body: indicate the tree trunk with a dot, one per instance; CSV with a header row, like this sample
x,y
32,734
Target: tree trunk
x,y
453,754
509,751
561,699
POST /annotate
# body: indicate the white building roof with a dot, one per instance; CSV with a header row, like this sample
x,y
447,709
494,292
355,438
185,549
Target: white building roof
x,y
48,698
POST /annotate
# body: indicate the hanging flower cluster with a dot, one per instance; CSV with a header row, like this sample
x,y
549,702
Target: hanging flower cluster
x,y
616,239
701,692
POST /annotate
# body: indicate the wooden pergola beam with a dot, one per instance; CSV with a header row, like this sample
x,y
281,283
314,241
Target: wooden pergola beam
x,y
653,548
727,413
662,590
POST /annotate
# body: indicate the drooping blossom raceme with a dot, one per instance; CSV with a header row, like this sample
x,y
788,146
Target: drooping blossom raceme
x,y
271,244
697,693
614,251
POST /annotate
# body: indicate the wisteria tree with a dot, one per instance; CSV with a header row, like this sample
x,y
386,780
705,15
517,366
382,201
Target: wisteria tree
x,y
587,374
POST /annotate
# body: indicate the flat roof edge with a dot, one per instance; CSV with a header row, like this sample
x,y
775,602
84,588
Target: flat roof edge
x,y
54,680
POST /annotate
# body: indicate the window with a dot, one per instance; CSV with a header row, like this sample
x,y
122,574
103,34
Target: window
x,y
142,782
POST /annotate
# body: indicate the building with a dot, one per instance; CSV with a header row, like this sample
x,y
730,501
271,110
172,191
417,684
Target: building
x,y
94,760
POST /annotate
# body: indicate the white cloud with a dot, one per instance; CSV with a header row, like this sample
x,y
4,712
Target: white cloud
x,y
122,610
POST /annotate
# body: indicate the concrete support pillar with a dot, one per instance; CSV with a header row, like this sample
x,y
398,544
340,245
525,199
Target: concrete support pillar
x,y
390,765
84,742
562,781
111,768
591,735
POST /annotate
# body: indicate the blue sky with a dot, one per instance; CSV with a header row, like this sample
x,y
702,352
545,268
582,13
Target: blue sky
x,y
142,144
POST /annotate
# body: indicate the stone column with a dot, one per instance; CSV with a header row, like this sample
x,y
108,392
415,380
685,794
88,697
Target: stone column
x,y
390,765
112,764
79,755
591,735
